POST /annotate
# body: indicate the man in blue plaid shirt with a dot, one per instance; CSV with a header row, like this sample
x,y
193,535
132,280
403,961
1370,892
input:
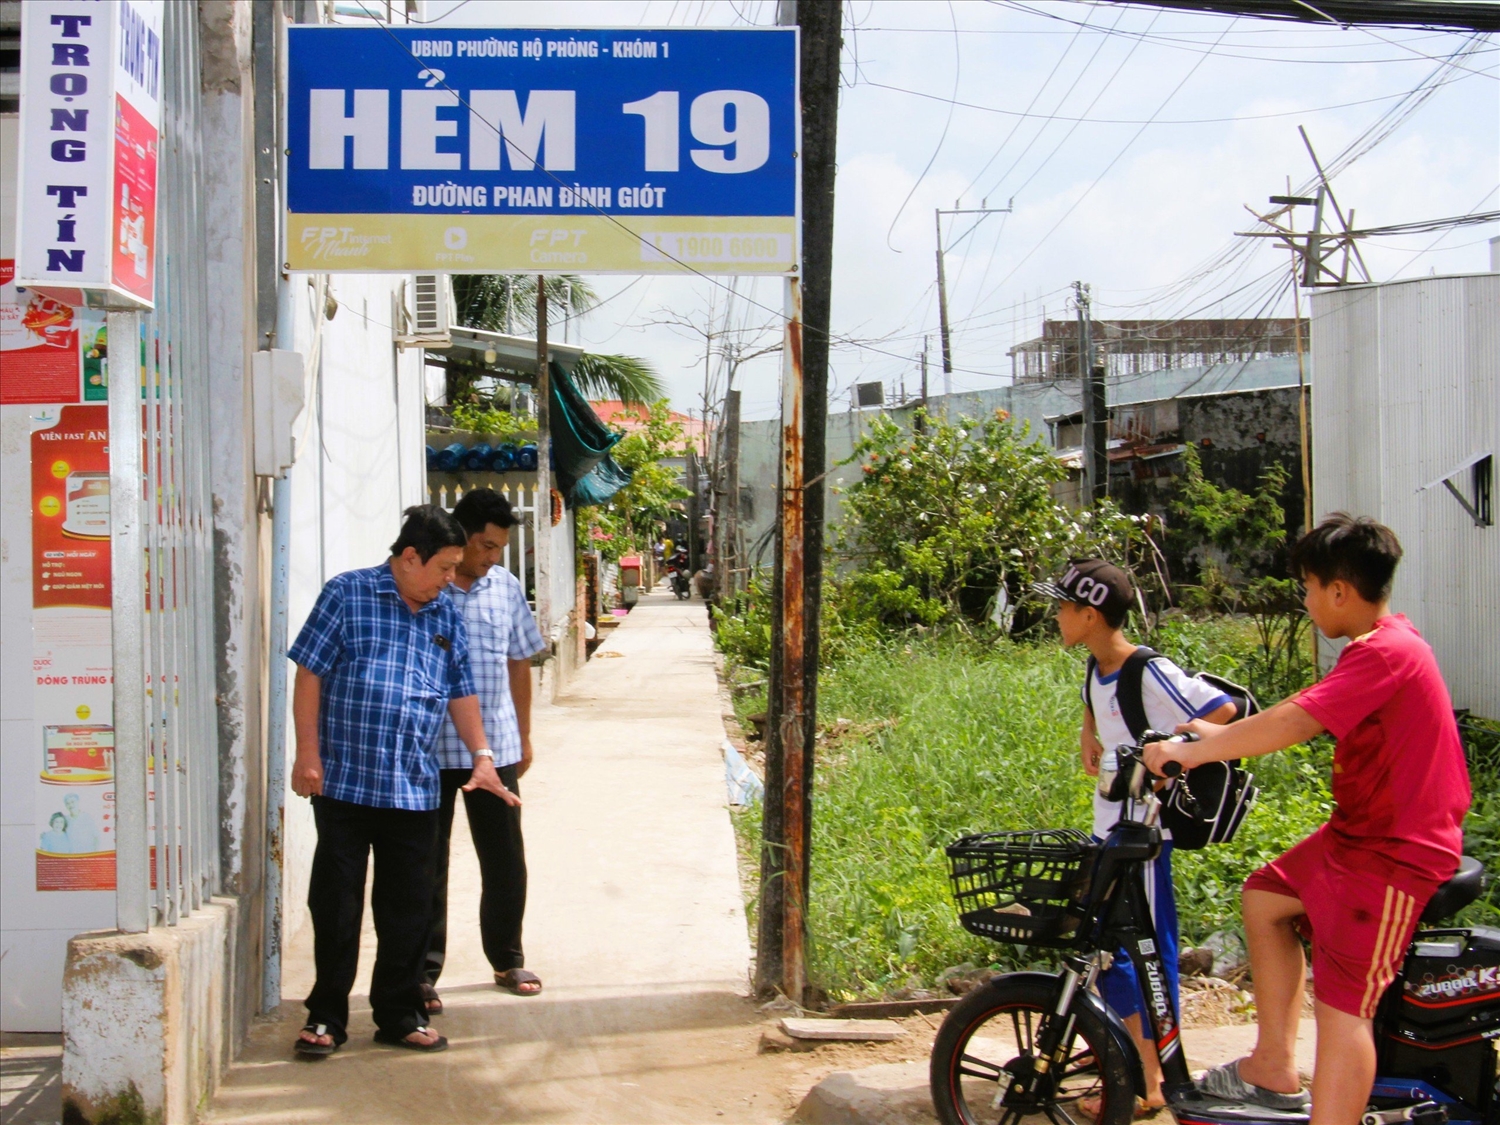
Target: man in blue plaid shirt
x,y
381,661
503,638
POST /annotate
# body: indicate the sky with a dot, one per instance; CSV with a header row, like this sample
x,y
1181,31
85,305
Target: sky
x,y
1127,142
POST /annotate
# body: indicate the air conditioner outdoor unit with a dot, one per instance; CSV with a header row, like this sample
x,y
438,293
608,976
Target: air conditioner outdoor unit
x,y
426,314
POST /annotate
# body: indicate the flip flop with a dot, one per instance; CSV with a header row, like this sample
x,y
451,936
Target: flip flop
x,y
399,1039
512,980
1224,1082
310,1050
432,1000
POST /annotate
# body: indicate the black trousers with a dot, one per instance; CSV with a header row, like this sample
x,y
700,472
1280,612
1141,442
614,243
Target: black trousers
x,y
401,899
496,829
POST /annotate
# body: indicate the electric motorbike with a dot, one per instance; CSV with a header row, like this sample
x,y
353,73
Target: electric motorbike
x,y
1037,1044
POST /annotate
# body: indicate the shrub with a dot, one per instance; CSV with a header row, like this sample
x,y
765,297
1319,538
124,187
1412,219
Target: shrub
x,y
950,518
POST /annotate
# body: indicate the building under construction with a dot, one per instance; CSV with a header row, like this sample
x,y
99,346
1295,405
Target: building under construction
x,y
1131,347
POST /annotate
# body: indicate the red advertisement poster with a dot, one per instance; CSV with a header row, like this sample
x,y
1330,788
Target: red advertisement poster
x,y
72,659
70,510
134,205
38,345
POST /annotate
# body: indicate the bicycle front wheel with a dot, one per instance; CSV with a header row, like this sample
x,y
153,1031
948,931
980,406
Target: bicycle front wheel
x,y
989,1041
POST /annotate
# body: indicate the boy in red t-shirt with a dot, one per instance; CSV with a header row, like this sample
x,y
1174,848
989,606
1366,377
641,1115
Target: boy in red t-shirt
x,y
1358,884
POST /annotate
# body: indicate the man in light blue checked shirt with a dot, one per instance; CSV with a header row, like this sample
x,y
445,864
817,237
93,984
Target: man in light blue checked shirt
x,y
503,638
382,662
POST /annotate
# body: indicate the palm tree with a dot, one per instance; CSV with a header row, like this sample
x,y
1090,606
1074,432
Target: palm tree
x,y
507,303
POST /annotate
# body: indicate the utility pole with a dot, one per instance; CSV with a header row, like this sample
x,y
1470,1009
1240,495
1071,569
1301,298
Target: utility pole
x,y
944,334
1095,405
781,963
1304,444
926,341
730,515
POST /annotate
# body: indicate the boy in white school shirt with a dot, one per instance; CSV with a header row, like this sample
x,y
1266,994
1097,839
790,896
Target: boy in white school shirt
x,y
1094,597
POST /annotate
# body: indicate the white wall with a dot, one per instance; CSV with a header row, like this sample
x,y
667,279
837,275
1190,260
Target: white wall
x,y
37,925
360,462
1407,388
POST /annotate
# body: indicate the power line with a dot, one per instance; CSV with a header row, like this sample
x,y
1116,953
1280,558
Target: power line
x,y
1018,6
1108,82
1088,190
957,66
1025,114
1137,121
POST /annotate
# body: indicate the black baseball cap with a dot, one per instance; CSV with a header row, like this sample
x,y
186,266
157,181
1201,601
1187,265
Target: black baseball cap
x,y
1094,583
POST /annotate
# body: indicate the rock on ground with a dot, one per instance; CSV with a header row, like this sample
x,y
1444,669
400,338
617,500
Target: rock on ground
x,y
889,1094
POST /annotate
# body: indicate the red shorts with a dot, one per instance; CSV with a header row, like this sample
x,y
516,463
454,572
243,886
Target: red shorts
x,y
1359,924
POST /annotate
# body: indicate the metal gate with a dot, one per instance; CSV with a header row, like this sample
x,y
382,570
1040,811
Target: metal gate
x,y
169,866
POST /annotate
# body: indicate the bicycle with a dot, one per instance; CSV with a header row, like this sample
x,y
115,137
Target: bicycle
x,y
1034,1044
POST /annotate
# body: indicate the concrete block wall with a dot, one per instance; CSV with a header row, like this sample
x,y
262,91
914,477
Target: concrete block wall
x,y
148,1020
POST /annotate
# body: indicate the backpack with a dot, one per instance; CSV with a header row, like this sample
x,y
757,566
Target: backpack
x,y
1208,803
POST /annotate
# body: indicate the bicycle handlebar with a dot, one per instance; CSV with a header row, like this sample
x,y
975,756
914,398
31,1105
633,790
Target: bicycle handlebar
x,y
1131,778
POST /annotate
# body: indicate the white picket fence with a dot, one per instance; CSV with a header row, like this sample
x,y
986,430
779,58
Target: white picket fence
x,y
445,489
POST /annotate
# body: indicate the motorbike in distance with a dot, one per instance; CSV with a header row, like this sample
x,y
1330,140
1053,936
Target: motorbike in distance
x,y
681,579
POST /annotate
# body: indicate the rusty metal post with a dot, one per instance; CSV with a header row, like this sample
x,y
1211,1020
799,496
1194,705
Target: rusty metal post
x,y
730,561
791,726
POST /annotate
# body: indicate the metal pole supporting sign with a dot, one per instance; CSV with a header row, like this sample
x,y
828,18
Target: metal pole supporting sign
x,y
127,554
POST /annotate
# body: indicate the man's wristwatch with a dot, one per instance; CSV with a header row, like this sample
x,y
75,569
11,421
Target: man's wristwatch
x,y
484,752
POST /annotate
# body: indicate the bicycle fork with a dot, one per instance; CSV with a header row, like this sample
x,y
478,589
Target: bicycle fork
x,y
1054,1038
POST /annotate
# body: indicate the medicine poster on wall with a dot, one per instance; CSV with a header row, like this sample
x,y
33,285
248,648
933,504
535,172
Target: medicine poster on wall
x,y
49,352
71,649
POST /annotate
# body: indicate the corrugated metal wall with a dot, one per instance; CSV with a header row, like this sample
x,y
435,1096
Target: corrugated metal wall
x,y
1407,388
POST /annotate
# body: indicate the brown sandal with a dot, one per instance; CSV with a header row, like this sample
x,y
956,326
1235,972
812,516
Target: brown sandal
x,y
516,980
431,1000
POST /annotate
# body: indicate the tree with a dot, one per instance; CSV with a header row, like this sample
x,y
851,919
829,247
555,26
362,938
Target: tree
x,y
629,521
1239,538
507,303
951,518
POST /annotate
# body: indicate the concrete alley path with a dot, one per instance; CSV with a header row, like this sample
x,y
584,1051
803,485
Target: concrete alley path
x,y
634,922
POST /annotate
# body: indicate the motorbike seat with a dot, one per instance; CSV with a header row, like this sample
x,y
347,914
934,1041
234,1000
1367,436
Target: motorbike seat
x,y
1466,885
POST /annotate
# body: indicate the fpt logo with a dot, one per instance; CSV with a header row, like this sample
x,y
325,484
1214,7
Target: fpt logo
x,y
328,243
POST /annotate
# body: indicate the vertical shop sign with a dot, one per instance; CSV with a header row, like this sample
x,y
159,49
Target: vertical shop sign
x,y
90,129
71,656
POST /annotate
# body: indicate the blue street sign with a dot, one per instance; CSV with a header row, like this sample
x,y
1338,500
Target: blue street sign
x,y
473,149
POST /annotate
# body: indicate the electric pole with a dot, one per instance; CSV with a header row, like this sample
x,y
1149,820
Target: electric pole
x,y
944,334
926,340
791,727
1095,405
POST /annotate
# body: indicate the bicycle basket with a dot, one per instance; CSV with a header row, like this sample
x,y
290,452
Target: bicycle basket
x,y
1026,888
